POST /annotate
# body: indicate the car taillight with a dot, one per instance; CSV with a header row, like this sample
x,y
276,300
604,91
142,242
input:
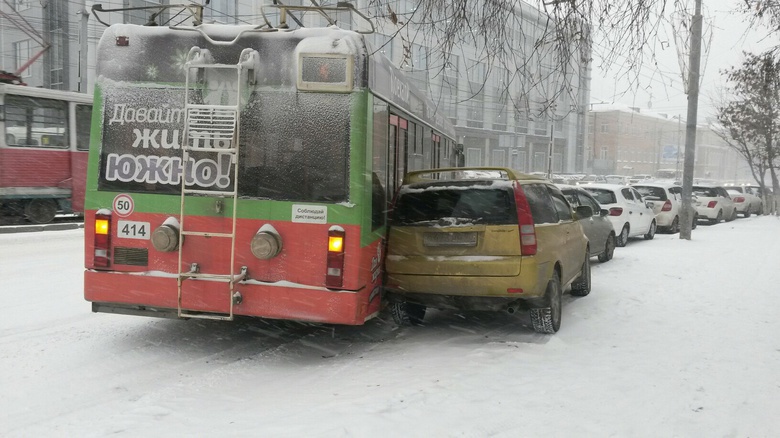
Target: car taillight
x,y
712,204
615,211
739,199
526,222
102,254
667,206
334,276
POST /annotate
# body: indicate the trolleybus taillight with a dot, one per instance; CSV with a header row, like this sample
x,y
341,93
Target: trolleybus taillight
x,y
102,257
334,276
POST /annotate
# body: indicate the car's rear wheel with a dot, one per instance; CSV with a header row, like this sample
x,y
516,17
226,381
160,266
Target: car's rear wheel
x,y
675,226
623,238
695,222
581,286
406,313
548,319
747,212
718,218
651,232
609,249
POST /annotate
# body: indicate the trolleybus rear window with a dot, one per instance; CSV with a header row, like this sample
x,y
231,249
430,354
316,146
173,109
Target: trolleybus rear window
x,y
293,146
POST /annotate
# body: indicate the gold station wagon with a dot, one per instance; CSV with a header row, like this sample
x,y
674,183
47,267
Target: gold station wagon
x,y
484,238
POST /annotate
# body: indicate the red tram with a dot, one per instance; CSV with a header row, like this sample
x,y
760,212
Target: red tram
x,y
43,152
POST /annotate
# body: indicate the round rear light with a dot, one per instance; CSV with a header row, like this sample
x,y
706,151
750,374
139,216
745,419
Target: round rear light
x,y
165,238
266,245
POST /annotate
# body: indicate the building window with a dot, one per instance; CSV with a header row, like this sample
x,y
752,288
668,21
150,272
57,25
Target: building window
x,y
21,5
498,158
473,157
604,127
21,56
222,11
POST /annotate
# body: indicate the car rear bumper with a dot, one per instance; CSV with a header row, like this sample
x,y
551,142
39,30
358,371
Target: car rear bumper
x,y
531,283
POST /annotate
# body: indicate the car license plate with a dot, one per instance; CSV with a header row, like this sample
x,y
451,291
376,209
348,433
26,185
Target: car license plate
x,y
450,239
133,230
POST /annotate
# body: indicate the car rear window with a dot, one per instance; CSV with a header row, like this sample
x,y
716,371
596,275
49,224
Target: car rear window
x,y
603,196
656,192
450,204
706,192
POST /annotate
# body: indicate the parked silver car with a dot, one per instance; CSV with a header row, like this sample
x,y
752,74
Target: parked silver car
x,y
597,228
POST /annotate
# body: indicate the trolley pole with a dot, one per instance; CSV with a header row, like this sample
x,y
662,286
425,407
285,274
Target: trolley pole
x,y
690,132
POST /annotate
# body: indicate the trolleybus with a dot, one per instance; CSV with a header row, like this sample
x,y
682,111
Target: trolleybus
x,y
43,152
244,170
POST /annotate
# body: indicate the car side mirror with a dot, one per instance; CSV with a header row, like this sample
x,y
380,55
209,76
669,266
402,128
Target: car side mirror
x,y
649,204
604,212
583,212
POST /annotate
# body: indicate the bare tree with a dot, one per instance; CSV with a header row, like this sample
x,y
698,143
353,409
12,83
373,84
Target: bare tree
x,y
752,115
625,34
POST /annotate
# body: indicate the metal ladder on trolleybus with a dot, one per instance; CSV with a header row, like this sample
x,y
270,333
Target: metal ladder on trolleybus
x,y
206,124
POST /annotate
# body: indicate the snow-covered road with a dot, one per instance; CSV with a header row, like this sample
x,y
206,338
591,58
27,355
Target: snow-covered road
x,y
678,338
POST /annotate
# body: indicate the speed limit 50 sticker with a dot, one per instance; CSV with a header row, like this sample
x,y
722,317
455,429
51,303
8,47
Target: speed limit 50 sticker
x,y
123,205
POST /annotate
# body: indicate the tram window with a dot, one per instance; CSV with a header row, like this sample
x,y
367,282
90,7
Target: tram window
x,y
36,122
427,149
83,122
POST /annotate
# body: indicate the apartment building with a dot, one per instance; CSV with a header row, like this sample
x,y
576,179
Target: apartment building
x,y
624,140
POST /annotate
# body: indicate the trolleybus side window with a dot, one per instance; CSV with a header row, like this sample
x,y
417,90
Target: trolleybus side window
x,y
379,192
36,122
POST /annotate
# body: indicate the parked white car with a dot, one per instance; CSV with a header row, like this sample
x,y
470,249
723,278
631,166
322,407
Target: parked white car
x,y
666,199
713,203
746,202
630,215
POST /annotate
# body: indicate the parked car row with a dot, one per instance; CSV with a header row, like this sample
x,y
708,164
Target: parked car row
x,y
489,238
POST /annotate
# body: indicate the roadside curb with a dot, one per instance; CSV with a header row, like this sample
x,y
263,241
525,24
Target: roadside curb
x,y
46,227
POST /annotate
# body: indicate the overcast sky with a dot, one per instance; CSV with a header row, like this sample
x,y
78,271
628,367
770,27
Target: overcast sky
x,y
661,87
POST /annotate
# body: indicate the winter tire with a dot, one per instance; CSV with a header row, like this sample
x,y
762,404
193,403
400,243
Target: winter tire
x,y
695,221
406,313
747,212
609,249
675,227
717,218
40,211
651,232
623,238
581,286
548,319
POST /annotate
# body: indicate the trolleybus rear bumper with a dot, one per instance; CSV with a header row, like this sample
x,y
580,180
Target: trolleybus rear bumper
x,y
156,295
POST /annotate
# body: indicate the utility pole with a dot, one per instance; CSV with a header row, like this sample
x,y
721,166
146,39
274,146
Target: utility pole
x,y
83,45
690,132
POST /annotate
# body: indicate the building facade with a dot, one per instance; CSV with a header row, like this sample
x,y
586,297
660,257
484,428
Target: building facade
x,y
502,117
628,141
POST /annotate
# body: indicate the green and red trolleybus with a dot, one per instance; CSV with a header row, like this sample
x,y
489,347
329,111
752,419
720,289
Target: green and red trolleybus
x,y
238,170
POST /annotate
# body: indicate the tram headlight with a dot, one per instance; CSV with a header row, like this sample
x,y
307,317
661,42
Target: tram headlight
x,y
266,244
165,238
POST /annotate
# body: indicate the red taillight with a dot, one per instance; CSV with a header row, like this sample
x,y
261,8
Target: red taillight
x,y
526,221
667,206
615,211
102,254
739,199
334,276
712,204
